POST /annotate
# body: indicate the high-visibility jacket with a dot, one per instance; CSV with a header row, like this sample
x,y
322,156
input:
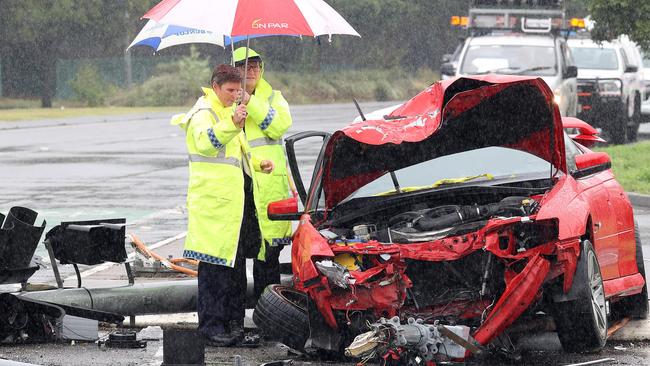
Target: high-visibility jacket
x,y
268,119
215,194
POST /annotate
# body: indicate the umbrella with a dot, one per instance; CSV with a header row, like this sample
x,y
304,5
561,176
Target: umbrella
x,y
158,36
251,18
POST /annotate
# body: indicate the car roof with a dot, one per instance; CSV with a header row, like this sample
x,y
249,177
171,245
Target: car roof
x,y
515,39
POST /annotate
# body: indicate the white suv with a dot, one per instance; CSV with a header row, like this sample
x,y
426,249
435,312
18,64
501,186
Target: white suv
x,y
610,86
542,55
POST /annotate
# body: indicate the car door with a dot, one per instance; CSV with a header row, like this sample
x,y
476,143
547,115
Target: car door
x,y
305,157
603,224
623,215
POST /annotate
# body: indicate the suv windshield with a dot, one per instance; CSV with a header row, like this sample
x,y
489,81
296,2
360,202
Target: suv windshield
x,y
475,165
506,59
595,58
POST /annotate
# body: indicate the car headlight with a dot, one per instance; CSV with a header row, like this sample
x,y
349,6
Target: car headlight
x,y
610,87
336,274
557,96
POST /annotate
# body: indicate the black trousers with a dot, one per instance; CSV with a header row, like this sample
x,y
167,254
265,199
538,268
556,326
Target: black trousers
x,y
222,290
266,273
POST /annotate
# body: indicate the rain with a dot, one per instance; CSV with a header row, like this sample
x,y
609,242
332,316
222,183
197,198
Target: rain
x,y
462,182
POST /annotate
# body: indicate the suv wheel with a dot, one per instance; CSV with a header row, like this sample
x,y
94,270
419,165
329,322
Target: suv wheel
x,y
582,323
281,314
635,121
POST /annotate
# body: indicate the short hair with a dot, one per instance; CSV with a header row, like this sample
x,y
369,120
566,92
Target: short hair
x,y
224,73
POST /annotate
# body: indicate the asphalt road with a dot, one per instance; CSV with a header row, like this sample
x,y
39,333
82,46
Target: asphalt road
x,y
135,167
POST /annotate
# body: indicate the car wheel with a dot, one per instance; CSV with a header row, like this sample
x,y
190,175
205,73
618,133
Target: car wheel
x,y
616,127
582,323
281,314
633,127
635,306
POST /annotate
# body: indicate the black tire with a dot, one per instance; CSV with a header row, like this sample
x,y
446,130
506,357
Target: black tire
x,y
616,127
633,127
635,306
582,323
281,314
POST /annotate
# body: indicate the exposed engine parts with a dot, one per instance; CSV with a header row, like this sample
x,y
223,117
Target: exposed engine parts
x,y
435,223
414,342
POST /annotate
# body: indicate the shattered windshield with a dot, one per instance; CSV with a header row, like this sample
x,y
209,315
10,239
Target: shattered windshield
x,y
485,164
595,58
510,59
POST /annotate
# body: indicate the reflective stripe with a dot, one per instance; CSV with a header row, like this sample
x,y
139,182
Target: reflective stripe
x,y
196,158
271,97
263,141
268,119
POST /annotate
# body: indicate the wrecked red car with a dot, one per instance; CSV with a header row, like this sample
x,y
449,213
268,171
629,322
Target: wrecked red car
x,y
428,233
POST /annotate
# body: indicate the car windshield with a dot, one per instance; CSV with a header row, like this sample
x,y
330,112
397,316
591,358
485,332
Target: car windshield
x,y
505,59
468,166
595,58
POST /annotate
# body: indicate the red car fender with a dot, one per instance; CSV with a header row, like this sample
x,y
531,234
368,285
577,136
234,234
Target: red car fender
x,y
521,290
321,295
307,244
567,257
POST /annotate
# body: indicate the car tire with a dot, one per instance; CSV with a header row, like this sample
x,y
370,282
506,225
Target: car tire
x,y
635,306
616,127
281,315
582,323
635,121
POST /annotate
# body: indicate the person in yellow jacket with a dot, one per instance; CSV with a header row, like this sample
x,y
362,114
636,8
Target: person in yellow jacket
x,y
221,204
268,120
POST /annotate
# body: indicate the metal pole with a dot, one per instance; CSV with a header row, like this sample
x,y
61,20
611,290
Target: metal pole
x,y
245,63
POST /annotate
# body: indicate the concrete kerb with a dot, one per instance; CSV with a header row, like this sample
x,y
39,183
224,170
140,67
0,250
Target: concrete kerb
x,y
639,200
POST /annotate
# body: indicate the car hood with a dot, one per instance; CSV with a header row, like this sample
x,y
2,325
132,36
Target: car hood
x,y
598,74
449,117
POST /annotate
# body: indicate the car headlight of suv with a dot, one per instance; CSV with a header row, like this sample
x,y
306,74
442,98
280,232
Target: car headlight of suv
x,y
336,274
610,87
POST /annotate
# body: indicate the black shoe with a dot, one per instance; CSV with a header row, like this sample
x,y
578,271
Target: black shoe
x,y
237,329
222,340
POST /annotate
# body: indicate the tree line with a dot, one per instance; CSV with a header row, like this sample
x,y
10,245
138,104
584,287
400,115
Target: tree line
x,y
408,34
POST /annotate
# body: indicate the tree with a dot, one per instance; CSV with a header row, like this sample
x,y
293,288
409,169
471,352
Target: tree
x,y
35,33
616,17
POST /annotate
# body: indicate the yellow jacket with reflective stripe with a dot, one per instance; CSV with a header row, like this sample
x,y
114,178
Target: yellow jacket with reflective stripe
x,y
268,120
215,193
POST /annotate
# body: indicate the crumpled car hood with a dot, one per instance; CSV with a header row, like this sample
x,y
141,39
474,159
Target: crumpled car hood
x,y
449,117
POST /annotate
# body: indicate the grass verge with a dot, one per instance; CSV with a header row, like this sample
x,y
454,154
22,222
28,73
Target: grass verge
x,y
23,114
631,166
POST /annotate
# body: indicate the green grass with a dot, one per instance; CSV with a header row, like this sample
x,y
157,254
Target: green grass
x,y
631,165
22,114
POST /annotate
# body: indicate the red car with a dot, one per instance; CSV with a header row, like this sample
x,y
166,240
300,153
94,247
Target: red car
x,y
430,232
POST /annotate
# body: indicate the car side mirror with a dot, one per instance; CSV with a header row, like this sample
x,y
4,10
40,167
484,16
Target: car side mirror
x,y
631,68
591,163
446,57
571,72
447,69
284,210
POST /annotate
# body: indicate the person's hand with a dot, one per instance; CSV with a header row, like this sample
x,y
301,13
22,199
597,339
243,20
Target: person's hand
x,y
239,118
267,166
245,98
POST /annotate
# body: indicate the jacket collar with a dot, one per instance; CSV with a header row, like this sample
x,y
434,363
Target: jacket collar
x,y
212,98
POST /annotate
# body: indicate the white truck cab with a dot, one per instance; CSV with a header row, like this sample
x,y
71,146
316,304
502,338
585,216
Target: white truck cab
x,y
610,85
519,40
545,56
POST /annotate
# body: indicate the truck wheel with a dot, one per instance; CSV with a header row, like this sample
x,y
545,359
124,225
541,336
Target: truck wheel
x,y
635,306
281,314
616,128
633,127
582,323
